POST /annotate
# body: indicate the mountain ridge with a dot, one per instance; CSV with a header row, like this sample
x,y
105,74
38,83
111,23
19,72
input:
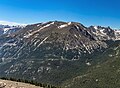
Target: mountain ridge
x,y
55,51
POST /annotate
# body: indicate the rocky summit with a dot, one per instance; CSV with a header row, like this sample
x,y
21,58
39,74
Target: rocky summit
x,y
56,52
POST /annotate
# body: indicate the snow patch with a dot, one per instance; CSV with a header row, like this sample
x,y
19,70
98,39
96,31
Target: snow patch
x,y
117,33
69,23
9,44
102,32
77,27
75,35
62,26
30,34
6,29
38,25
27,36
41,42
88,63
65,25
96,27
47,25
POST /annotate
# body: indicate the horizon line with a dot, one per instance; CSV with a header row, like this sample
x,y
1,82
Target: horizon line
x,y
11,23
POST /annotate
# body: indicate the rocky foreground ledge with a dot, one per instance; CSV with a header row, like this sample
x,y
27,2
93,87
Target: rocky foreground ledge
x,y
12,84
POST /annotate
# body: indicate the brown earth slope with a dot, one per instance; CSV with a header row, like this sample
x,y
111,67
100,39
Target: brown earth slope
x,y
12,84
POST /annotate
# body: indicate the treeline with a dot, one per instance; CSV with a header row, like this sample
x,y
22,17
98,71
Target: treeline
x,y
30,82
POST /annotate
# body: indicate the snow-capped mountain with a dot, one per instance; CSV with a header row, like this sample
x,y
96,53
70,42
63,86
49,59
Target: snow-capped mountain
x,y
7,29
68,35
40,51
103,33
117,33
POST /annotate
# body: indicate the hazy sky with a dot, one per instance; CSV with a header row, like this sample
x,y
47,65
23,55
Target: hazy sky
x,y
87,12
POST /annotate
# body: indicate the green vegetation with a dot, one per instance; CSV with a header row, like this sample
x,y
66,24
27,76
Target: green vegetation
x,y
72,74
104,74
